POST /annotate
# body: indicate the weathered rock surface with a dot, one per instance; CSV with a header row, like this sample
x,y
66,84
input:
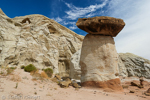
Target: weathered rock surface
x,y
99,62
134,65
101,25
75,69
129,65
38,40
122,69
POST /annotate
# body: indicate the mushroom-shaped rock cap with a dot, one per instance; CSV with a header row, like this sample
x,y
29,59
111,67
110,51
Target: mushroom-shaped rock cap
x,y
101,25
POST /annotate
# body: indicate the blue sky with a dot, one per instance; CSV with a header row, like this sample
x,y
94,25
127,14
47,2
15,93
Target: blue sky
x,y
134,38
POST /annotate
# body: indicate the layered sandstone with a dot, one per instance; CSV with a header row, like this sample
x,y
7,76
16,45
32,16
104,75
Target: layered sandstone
x,y
99,62
99,58
36,39
133,65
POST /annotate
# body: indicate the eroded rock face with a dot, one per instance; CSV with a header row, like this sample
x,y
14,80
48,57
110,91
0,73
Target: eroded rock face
x,y
135,65
99,62
36,39
101,25
75,69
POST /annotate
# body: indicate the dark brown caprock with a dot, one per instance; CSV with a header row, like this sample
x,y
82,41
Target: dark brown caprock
x,y
103,25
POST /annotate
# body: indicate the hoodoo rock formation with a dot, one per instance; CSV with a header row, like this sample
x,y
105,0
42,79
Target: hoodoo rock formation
x,y
99,58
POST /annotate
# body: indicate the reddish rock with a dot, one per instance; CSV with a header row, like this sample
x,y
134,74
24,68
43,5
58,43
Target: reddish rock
x,y
101,25
148,91
141,82
113,84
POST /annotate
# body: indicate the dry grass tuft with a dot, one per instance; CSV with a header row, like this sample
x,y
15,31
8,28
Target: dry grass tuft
x,y
15,78
4,71
38,76
34,72
44,75
34,79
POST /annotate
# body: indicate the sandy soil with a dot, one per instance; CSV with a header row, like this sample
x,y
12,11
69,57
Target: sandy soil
x,y
20,86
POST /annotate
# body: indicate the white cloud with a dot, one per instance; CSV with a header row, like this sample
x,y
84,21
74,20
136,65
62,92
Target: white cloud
x,y
77,12
57,19
68,23
134,37
73,27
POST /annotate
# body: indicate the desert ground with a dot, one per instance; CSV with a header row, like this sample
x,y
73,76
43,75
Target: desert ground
x,y
20,85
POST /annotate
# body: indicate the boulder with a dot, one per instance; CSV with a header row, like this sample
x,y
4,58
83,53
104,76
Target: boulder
x,y
99,62
75,84
103,25
148,91
131,91
38,40
58,77
65,83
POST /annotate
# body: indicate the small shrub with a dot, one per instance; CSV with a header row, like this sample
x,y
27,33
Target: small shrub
x,y
49,72
16,85
30,68
22,67
1,73
12,67
35,93
10,70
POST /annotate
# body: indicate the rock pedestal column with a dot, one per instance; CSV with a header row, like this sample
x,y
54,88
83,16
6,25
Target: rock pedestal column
x,y
99,58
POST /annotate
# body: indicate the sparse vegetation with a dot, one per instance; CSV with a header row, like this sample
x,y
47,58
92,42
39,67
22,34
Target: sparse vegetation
x,y
16,85
34,79
38,76
49,72
44,75
15,78
30,68
6,70
12,67
10,70
22,67
1,73
35,93
35,73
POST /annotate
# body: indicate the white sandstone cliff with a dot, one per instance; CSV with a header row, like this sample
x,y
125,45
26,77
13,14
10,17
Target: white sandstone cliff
x,y
36,39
